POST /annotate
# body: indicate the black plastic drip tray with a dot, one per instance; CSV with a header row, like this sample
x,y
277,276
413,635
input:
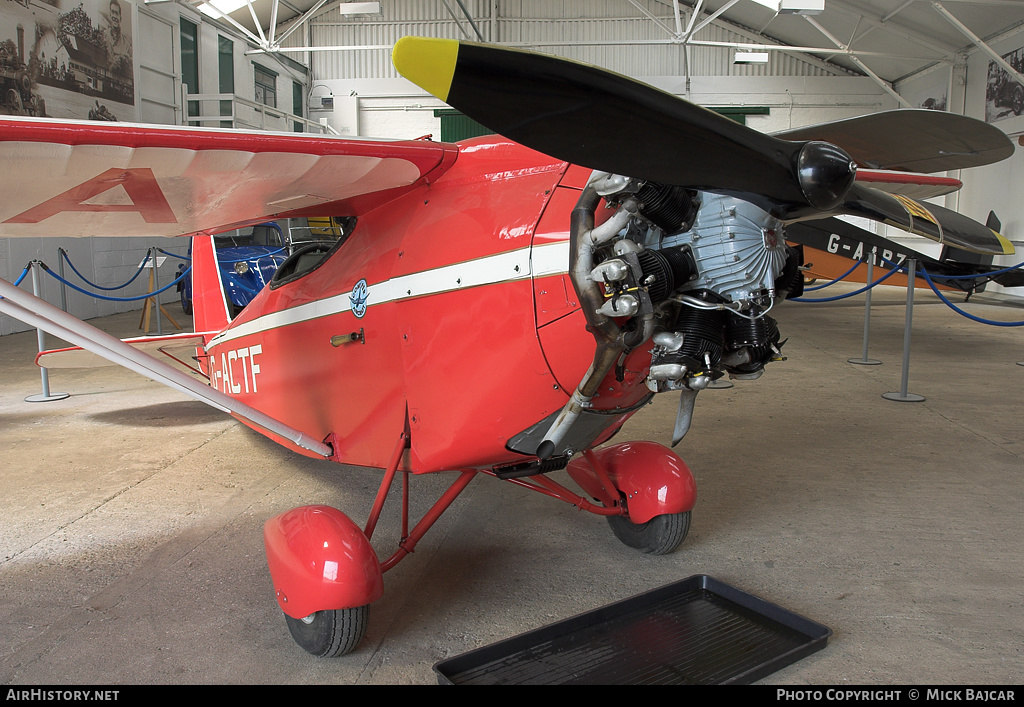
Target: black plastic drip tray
x,y
695,632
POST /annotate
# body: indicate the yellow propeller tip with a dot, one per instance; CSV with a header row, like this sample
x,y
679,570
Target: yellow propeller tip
x,y
427,62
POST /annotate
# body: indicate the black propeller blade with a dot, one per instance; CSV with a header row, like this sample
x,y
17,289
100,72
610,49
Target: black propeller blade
x,y
612,123
912,140
605,121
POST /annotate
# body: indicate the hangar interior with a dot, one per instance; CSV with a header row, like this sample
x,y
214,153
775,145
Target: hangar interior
x,y
133,552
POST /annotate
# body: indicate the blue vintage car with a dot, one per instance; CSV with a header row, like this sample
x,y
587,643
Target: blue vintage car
x,y
248,258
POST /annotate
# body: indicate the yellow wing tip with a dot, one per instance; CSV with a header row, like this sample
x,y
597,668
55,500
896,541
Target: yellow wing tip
x,y
427,62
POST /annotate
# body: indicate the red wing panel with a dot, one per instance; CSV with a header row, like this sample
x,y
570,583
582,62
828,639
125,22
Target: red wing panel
x,y
135,180
912,184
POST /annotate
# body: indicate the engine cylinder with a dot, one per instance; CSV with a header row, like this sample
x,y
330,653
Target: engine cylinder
x,y
667,269
702,334
670,208
759,336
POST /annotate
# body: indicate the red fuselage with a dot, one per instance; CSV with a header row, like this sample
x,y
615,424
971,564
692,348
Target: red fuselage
x,y
471,329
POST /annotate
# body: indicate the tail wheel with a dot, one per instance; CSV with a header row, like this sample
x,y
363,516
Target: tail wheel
x,y
331,632
658,536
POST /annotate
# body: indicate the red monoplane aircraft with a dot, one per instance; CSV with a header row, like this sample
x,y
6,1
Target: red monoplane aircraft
x,y
499,307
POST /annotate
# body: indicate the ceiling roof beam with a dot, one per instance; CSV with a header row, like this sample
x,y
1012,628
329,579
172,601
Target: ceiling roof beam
x,y
855,59
977,41
240,27
273,20
898,10
647,13
256,22
759,46
308,15
458,22
714,16
895,28
471,22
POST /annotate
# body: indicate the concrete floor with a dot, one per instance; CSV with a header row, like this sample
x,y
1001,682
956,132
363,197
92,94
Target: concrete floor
x,y
131,550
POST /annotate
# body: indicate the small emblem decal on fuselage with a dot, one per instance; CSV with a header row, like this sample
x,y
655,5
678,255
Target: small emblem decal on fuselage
x,y
360,293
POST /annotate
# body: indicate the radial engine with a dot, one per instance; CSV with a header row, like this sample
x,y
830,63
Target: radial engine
x,y
692,274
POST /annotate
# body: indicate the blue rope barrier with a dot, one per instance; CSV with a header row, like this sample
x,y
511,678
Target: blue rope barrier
x,y
879,281
928,279
174,255
983,275
142,267
117,299
22,276
829,284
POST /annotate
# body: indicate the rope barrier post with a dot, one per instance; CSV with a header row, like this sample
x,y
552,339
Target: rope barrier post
x,y
156,289
63,288
152,296
903,395
46,396
864,360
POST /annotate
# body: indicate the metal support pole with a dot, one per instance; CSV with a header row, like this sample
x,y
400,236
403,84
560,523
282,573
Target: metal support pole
x,y
156,288
864,360
903,395
63,287
46,396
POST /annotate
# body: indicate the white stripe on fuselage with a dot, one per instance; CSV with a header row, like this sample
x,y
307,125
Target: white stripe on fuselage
x,y
539,261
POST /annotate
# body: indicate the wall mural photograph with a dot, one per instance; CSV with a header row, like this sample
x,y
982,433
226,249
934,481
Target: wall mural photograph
x,y
1004,94
67,59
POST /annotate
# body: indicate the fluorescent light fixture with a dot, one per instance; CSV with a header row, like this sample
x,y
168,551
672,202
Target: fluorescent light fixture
x,y
794,7
219,8
359,8
801,7
750,58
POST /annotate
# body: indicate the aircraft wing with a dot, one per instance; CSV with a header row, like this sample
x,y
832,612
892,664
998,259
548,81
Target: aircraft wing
x,y
82,178
929,220
834,235
913,140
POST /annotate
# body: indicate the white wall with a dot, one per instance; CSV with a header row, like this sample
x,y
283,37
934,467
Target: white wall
x,y
396,108
104,261
109,261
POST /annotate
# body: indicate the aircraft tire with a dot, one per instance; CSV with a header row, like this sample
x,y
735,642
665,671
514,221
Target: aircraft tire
x,y
658,536
331,632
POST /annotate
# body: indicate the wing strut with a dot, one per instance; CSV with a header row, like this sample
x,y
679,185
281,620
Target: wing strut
x,y
43,315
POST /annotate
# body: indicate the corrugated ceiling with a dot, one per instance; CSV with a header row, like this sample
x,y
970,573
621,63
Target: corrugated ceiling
x,y
889,40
